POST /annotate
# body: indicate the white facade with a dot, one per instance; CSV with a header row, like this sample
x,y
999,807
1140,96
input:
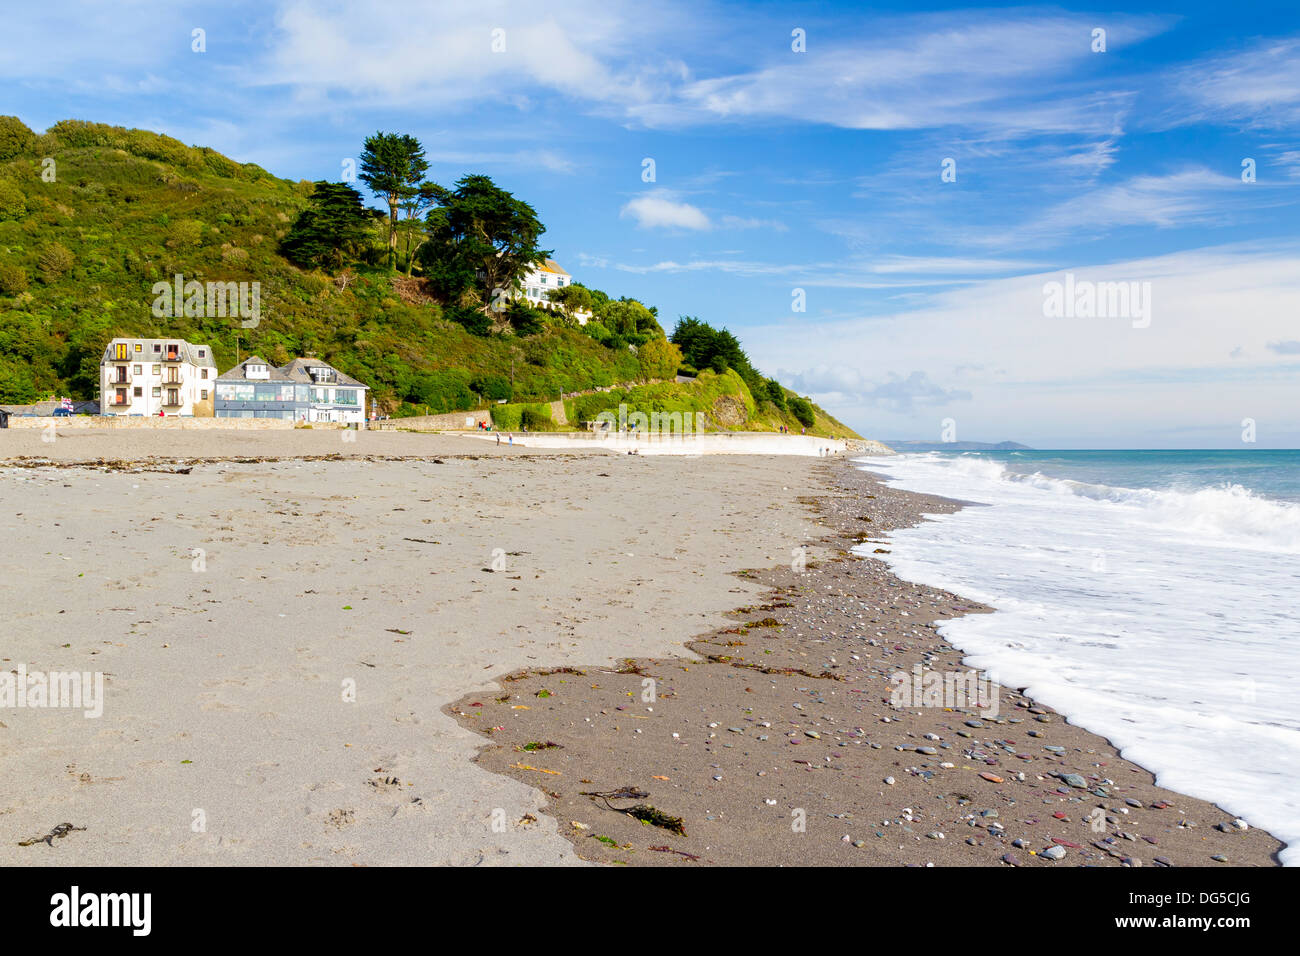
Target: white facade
x,y
148,377
537,284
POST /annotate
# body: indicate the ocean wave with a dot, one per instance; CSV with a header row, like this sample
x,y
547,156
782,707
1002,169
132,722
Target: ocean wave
x,y
1228,513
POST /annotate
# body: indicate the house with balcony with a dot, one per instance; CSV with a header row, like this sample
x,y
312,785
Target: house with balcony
x,y
148,377
304,390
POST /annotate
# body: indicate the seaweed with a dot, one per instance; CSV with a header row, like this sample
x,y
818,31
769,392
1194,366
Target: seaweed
x,y
643,812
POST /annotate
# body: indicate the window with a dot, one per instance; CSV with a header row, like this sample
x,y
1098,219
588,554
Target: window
x,y
121,397
121,351
157,369
203,353
139,347
137,369
157,348
203,395
139,392
157,392
543,280
203,373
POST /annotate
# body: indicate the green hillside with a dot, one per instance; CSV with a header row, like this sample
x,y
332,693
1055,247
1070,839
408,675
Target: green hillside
x,y
92,216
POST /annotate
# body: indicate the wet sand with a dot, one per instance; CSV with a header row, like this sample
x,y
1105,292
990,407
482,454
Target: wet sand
x,y
780,744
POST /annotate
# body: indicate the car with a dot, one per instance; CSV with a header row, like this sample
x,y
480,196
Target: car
x,y
63,413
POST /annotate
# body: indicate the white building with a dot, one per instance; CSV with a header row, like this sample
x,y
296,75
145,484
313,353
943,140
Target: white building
x,y
145,377
537,284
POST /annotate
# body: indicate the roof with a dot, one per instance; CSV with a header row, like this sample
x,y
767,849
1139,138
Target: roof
x,y
295,371
189,350
550,265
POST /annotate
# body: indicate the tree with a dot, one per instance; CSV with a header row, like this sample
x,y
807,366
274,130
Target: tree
x,y
333,222
393,166
572,298
628,317
416,206
480,236
707,347
15,138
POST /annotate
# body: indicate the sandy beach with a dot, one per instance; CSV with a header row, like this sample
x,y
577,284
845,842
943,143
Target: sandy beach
x,y
327,651
412,581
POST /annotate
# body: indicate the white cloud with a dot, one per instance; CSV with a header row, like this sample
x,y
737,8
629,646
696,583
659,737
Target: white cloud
x,y
1057,380
659,211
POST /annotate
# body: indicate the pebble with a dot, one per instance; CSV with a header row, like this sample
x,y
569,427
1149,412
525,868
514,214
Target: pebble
x,y
928,751
1074,780
1054,853
813,734
890,781
1133,803
1010,860
1219,858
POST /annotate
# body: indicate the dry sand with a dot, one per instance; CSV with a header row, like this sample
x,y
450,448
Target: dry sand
x,y
225,678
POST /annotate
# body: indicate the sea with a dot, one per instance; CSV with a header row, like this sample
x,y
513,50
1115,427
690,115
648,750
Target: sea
x,y
1152,597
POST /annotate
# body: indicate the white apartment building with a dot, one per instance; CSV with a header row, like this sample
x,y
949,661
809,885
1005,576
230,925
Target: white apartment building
x,y
145,377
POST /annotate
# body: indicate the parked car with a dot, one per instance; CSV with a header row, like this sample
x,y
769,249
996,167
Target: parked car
x,y
63,413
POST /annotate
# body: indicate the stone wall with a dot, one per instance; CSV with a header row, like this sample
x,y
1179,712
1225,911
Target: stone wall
x,y
121,421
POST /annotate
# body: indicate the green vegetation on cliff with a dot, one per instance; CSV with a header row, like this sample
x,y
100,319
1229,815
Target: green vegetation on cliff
x,y
92,216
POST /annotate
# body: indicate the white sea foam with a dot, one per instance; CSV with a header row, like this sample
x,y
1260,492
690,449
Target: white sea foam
x,y
1161,619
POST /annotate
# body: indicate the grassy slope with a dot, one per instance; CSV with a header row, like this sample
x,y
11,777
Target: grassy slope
x,y
134,208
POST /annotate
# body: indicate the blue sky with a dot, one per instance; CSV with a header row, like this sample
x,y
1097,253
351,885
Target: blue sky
x,y
820,170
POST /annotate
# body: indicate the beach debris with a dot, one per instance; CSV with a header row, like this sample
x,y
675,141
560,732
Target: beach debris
x,y
667,849
58,833
641,811
524,766
534,745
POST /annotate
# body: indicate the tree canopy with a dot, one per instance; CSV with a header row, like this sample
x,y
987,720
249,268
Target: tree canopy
x,y
333,223
481,239
393,166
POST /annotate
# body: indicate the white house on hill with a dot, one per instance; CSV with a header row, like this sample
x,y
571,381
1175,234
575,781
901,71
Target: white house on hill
x,y
537,284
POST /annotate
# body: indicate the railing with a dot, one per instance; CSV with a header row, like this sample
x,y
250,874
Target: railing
x,y
173,399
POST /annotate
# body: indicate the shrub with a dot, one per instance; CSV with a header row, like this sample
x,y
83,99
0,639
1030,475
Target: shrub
x,y
535,419
12,202
54,261
492,387
802,410
13,279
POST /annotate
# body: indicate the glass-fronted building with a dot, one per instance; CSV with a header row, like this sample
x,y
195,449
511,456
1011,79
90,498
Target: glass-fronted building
x,y
305,390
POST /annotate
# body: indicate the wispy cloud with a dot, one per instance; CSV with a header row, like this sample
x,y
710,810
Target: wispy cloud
x,y
1254,87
